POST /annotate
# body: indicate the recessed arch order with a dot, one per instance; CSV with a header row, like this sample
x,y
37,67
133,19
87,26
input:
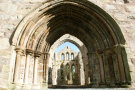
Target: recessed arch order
x,y
80,18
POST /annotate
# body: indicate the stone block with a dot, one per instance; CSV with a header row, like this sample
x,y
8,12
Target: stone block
x,y
3,7
133,61
4,17
130,8
4,43
1,67
12,11
1,34
12,8
16,1
120,16
110,7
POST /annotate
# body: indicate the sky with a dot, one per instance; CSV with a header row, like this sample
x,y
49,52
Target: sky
x,y
71,45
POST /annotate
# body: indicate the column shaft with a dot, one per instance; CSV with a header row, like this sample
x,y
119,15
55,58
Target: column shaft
x,y
102,70
17,65
46,72
65,73
121,68
70,73
35,70
27,68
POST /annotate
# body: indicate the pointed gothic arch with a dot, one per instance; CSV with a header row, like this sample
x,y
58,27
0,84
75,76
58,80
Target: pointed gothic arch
x,y
94,27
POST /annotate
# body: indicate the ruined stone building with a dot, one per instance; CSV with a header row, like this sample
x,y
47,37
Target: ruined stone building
x,y
32,30
65,69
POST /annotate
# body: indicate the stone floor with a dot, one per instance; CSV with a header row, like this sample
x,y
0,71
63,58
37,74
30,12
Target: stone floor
x,y
95,89
77,89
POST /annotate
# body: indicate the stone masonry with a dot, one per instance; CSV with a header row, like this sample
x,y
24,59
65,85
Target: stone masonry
x,y
13,11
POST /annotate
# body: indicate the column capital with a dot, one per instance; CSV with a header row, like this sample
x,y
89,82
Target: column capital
x,y
106,50
20,51
119,45
37,54
45,53
112,49
29,51
118,48
91,53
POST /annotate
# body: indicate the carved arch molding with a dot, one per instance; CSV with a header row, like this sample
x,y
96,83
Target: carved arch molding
x,y
102,37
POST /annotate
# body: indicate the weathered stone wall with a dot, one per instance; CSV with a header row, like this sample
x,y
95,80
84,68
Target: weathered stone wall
x,y
13,11
67,61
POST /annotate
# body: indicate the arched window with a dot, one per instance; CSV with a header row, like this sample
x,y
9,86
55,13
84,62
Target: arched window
x,y
73,72
61,72
72,56
67,68
62,56
67,56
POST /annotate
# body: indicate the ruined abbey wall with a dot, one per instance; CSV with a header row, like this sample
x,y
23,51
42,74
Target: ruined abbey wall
x,y
13,11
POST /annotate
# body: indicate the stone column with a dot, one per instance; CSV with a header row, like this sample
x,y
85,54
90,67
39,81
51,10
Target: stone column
x,y
121,66
101,69
45,69
94,69
19,52
54,69
65,73
106,67
47,62
90,70
70,74
82,73
31,66
36,55
91,63
28,57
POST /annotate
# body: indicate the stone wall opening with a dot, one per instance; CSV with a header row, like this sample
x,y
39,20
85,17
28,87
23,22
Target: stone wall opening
x,y
33,38
66,65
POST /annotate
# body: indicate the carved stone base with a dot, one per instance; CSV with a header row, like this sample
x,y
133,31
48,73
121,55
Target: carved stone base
x,y
14,86
36,86
44,85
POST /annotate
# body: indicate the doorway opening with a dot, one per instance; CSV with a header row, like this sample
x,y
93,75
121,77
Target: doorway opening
x,y
103,58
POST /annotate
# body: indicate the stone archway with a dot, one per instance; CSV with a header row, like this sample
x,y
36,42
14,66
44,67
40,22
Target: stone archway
x,y
100,34
82,61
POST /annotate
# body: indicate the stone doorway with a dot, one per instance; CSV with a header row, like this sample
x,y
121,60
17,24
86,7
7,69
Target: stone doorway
x,y
68,65
33,38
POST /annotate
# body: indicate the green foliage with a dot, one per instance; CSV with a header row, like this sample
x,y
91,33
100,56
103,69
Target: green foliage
x,y
73,72
61,70
67,72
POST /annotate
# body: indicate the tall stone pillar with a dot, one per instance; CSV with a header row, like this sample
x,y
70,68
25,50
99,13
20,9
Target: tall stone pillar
x,y
47,65
90,65
36,55
121,65
28,57
94,69
31,66
106,68
82,73
54,69
116,68
65,73
45,69
19,53
101,69
70,74
91,57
